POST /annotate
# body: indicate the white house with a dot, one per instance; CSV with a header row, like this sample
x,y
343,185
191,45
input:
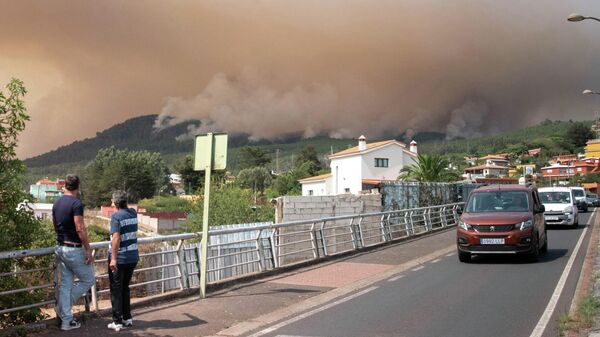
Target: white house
x,y
40,210
493,165
355,169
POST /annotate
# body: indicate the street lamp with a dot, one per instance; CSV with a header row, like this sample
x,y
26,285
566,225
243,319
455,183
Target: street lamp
x,y
574,17
589,92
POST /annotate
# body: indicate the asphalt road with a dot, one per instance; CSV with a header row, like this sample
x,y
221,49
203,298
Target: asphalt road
x,y
492,296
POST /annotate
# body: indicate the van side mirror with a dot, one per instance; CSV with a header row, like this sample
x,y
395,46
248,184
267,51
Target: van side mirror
x,y
540,209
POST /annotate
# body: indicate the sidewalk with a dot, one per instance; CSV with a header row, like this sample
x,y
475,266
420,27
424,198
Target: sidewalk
x,y
251,304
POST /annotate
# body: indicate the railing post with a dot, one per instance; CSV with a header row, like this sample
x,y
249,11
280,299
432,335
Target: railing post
x,y
198,251
314,242
382,228
259,248
323,239
181,267
94,289
273,242
455,214
427,218
360,232
162,270
444,217
353,234
412,223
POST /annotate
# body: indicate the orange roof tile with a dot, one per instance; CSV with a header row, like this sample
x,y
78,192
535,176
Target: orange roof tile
x,y
370,146
315,178
481,167
493,156
46,182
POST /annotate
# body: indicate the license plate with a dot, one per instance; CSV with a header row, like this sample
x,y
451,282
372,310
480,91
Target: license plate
x,y
492,241
551,218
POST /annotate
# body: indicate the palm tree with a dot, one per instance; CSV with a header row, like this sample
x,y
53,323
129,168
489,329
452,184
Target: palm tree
x,y
428,168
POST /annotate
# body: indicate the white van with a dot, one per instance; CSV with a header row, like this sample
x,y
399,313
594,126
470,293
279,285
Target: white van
x,y
580,198
560,204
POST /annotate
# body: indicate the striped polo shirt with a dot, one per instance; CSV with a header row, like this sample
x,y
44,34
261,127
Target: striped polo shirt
x,y
124,222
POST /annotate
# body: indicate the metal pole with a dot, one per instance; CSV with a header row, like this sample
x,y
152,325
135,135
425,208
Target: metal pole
x,y
204,241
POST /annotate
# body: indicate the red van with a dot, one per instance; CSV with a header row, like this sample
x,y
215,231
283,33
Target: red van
x,y
502,219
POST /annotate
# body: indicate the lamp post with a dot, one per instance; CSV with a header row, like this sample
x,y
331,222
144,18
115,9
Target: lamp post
x,y
574,17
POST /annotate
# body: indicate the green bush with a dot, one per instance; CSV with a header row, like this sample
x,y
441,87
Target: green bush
x,y
166,204
230,204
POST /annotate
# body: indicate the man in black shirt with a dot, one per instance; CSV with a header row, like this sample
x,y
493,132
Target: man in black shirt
x,y
73,252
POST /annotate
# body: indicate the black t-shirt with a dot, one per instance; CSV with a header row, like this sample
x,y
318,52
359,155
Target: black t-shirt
x,y
63,212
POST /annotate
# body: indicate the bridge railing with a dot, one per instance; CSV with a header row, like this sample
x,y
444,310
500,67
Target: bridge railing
x,y
172,262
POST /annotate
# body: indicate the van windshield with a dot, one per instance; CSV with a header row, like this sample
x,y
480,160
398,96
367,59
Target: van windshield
x,y
578,193
555,197
498,201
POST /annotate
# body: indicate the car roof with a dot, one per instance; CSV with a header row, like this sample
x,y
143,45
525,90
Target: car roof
x,y
503,187
554,189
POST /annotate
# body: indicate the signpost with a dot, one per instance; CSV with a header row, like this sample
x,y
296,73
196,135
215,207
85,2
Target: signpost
x,y
210,153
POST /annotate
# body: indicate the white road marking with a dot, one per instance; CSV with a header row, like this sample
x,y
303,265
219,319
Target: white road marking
x,y
310,313
543,322
451,254
393,279
293,336
418,268
435,261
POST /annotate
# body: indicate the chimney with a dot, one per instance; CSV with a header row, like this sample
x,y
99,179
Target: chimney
x,y
362,143
413,146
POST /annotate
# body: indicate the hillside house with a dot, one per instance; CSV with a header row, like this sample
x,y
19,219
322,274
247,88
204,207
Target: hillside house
x,y
46,190
564,171
493,166
361,167
592,148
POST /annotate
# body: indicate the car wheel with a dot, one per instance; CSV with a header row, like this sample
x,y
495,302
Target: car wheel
x,y
535,251
464,257
544,248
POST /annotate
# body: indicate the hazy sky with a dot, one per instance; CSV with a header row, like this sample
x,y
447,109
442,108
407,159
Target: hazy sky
x,y
268,68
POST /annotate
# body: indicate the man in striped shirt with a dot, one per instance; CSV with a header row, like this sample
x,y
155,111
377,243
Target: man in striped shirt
x,y
123,257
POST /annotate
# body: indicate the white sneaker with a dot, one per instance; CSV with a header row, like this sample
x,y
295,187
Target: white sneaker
x,y
70,326
128,323
115,326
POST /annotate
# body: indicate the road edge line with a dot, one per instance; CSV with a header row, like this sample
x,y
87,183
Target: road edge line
x,y
549,310
584,282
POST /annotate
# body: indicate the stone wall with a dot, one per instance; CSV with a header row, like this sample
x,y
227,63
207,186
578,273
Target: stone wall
x,y
294,208
337,234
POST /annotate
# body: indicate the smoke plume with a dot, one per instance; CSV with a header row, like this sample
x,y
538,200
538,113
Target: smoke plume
x,y
271,68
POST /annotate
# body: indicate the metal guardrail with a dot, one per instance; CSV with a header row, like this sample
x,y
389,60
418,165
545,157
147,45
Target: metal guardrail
x,y
269,247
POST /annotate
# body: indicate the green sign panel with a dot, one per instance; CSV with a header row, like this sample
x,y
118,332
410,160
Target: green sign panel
x,y
210,150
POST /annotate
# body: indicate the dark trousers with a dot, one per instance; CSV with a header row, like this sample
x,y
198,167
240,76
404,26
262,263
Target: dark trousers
x,y
119,291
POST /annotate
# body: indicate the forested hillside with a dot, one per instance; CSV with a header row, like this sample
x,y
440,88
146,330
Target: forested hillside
x,y
138,134
134,134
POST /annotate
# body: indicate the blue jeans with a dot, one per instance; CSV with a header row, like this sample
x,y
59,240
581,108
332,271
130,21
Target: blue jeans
x,y
71,262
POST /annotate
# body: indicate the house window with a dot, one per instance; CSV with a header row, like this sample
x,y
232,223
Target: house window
x,y
310,192
381,162
579,169
346,190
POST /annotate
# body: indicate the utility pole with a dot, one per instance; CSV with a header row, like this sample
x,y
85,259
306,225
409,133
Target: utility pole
x,y
277,161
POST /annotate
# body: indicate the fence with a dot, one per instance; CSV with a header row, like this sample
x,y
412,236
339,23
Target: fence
x,y
402,195
173,261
